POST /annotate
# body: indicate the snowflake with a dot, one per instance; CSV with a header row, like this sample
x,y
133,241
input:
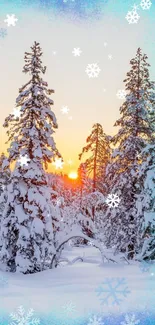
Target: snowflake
x,y
3,32
145,4
110,289
95,321
70,162
91,243
58,163
105,44
16,112
110,57
77,51
70,118
3,281
21,318
112,200
65,109
24,160
93,70
11,20
121,94
69,308
132,17
147,267
130,320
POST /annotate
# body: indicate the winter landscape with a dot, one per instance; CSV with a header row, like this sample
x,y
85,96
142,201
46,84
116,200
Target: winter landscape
x,y
78,247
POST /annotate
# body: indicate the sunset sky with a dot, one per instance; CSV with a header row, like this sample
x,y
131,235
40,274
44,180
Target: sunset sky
x,y
99,29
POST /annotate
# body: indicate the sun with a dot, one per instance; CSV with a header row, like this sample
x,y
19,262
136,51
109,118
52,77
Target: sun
x,y
73,175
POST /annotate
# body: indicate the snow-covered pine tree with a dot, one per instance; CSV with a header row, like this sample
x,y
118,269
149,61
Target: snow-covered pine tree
x,y
26,229
147,173
123,224
5,174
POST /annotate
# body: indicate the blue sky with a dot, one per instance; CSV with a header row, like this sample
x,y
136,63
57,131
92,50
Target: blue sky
x,y
60,27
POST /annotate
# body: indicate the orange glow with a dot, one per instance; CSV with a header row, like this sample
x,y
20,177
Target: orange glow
x,y
73,175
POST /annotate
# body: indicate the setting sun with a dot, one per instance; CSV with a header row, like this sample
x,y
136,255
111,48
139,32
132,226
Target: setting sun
x,y
73,175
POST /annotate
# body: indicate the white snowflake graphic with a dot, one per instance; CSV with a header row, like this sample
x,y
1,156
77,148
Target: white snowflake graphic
x,y
3,32
132,17
54,52
90,243
112,289
110,57
77,52
130,320
95,321
11,20
92,70
69,309
3,281
105,44
146,4
70,117
121,94
16,112
112,200
69,162
58,163
21,318
65,109
24,160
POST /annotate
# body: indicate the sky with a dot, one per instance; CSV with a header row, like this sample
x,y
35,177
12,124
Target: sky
x,y
105,38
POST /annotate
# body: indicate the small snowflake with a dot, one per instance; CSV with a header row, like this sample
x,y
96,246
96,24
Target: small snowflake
x,y
16,112
132,17
58,163
70,162
65,109
21,318
95,321
147,266
105,44
77,51
24,160
110,57
11,20
90,243
121,94
54,52
3,32
112,200
130,320
146,4
3,281
112,289
92,70
70,117
69,309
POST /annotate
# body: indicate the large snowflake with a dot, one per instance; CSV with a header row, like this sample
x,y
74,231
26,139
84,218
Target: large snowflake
x,y
93,70
112,289
21,318
3,32
95,321
130,320
132,17
145,4
112,200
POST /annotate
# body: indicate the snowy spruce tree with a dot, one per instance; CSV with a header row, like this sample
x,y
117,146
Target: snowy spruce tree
x,y
5,174
26,229
124,223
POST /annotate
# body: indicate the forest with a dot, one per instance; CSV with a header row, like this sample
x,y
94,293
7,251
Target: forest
x,y
112,206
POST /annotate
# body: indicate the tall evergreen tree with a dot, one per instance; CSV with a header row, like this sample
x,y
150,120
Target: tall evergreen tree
x,y
26,230
98,145
124,224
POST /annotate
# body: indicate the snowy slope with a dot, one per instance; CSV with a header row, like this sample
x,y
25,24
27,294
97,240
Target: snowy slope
x,y
52,290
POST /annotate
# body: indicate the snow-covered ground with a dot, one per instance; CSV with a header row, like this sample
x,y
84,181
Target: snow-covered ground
x,y
70,292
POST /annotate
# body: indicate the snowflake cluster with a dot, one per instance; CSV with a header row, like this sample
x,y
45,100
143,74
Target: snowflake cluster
x,y
132,16
21,318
